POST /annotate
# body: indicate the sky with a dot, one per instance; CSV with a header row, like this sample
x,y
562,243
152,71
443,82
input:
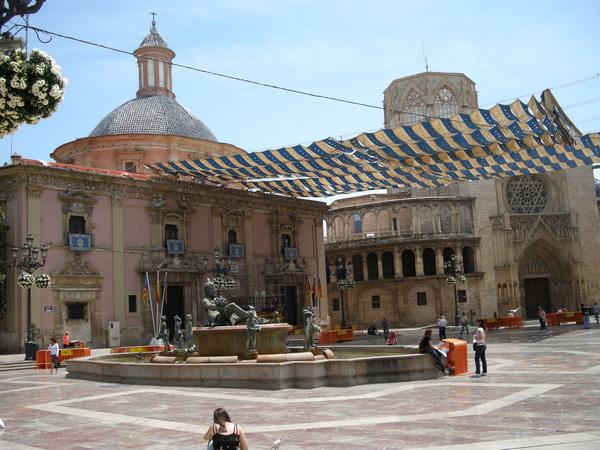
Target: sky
x,y
349,49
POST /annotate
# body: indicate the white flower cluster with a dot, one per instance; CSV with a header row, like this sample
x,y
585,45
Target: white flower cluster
x,y
31,88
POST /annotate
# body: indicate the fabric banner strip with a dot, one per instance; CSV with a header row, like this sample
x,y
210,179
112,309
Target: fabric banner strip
x,y
506,140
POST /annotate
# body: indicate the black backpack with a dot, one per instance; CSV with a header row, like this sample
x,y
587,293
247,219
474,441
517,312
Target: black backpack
x,y
226,441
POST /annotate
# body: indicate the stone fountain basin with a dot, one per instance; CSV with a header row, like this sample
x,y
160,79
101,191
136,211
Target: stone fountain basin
x,y
385,367
231,340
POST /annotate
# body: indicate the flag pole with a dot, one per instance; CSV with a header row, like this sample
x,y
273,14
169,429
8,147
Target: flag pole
x,y
162,300
151,304
156,300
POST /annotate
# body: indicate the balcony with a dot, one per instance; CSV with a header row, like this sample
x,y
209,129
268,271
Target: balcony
x,y
376,237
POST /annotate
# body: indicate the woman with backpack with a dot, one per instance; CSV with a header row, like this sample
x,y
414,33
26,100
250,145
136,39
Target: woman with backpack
x,y
224,434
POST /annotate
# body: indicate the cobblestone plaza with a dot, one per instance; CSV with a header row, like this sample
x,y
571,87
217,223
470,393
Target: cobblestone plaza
x,y
541,392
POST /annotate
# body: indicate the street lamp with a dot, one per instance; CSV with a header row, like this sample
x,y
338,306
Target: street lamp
x,y
456,278
28,264
344,281
221,269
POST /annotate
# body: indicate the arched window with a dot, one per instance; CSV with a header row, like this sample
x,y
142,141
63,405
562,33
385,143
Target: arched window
x,y
372,269
429,262
414,107
357,223
446,219
426,219
448,254
408,264
445,104
231,237
340,268
465,219
405,220
387,263
357,265
468,259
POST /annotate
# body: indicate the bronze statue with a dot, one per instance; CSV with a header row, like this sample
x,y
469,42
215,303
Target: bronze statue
x,y
219,311
177,334
188,331
252,327
164,333
310,329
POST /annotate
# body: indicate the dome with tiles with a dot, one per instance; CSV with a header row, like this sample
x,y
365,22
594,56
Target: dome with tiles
x,y
153,114
154,110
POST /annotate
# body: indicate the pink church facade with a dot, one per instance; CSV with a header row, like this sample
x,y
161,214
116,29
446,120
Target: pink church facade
x,y
100,190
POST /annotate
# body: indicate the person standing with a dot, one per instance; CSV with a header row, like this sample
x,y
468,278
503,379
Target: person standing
x,y
596,311
542,318
442,322
54,360
464,325
480,346
386,329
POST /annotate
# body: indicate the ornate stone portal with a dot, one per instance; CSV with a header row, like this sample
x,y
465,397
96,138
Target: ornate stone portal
x,y
77,292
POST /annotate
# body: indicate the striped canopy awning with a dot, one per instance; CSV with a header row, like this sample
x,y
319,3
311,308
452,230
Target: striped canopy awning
x,y
506,140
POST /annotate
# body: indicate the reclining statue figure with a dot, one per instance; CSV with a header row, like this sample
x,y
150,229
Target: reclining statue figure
x,y
219,311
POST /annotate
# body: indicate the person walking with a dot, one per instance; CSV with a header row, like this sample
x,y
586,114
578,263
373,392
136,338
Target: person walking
x,y
386,329
54,360
596,311
464,325
224,434
442,323
542,318
480,347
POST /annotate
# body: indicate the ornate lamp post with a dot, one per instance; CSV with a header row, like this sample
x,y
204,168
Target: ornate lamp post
x,y
456,278
344,281
221,269
28,264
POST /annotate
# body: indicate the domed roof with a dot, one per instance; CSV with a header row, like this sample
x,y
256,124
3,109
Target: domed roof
x,y
153,114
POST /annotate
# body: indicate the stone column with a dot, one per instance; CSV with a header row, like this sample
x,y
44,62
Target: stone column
x,y
379,265
397,263
419,262
34,227
439,260
118,262
365,267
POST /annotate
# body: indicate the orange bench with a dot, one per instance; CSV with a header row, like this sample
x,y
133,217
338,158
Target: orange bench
x,y
457,356
43,360
335,336
508,322
554,319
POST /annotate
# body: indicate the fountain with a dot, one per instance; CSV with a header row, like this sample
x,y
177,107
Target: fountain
x,y
253,355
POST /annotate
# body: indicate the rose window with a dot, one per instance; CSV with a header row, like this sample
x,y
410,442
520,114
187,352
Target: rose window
x,y
526,194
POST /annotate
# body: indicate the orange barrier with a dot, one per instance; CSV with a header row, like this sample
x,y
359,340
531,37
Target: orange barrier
x,y
457,356
508,322
141,349
554,319
43,360
335,336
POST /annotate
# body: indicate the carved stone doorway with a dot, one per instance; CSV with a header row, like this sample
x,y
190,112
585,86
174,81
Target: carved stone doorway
x,y
537,293
291,307
174,306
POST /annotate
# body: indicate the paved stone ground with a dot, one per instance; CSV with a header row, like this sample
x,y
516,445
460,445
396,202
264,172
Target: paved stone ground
x,y
542,391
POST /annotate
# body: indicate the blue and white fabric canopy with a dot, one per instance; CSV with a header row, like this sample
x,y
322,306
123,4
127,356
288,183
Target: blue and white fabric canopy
x,y
506,140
